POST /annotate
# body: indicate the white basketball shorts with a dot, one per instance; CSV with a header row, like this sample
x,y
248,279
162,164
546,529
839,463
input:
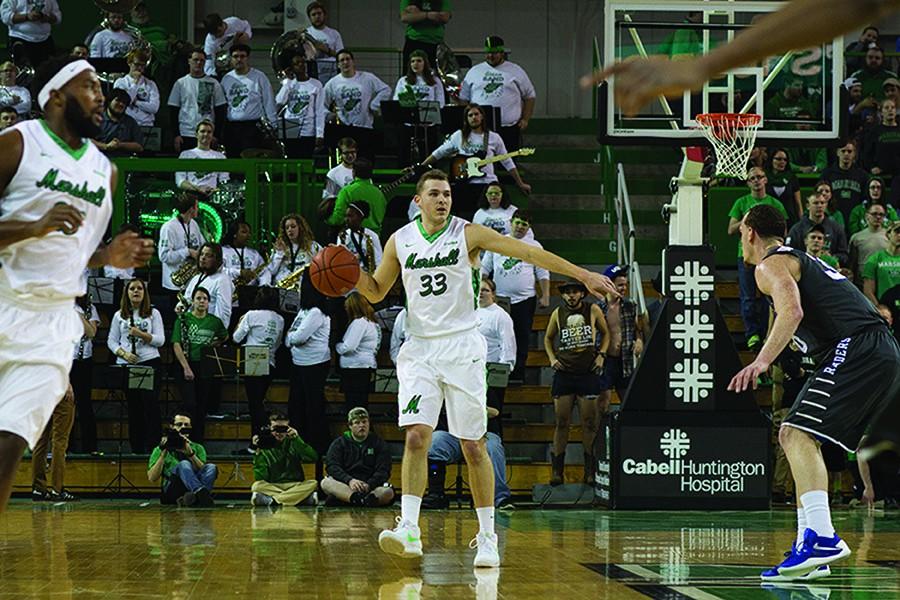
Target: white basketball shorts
x,y
451,368
36,348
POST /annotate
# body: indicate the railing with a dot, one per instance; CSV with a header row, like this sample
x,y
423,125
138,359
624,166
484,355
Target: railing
x,y
625,239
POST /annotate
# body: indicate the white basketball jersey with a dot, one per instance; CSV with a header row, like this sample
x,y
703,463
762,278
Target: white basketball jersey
x,y
51,268
438,279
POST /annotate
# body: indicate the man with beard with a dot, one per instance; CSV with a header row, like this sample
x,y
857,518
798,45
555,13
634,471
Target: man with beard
x,y
577,363
57,203
112,42
214,280
120,135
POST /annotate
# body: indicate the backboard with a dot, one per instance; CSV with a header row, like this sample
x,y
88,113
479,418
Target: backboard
x,y
798,94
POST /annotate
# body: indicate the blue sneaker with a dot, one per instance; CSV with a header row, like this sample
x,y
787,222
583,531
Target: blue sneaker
x,y
815,551
773,575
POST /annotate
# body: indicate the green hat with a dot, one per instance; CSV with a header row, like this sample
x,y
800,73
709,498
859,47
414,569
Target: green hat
x,y
494,43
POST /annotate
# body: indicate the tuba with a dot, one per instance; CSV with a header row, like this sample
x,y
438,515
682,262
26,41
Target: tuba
x,y
288,45
140,43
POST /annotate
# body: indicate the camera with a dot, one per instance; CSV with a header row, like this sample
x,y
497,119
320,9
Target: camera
x,y
172,440
265,438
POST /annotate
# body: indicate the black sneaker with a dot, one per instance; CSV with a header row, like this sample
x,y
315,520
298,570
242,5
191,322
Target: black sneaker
x,y
187,500
63,496
506,504
371,500
40,496
358,499
204,498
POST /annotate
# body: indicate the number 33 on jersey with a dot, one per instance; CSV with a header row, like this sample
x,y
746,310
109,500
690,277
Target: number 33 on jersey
x,y
438,279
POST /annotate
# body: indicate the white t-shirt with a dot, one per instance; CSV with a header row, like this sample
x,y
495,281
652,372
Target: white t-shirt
x,y
50,270
338,177
360,345
249,96
285,263
423,91
514,277
175,238
333,40
496,326
17,97
359,244
398,334
30,31
111,44
120,338
505,85
235,259
85,346
356,98
413,210
304,103
117,273
220,289
261,328
437,277
497,219
197,99
201,178
212,45
308,337
144,99
474,145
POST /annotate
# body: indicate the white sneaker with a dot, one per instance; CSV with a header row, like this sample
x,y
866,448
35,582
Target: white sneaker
x,y
403,540
487,555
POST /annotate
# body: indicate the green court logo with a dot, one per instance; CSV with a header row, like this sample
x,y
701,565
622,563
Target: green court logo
x,y
412,407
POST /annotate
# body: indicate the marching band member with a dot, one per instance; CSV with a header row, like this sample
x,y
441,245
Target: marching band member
x,y
205,182
239,261
359,240
179,239
294,248
214,280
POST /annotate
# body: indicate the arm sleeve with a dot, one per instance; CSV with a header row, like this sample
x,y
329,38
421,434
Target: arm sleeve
x,y
241,330
224,291
176,330
465,90
500,148
167,252
209,47
232,272
334,462
449,147
261,465
380,91
159,332
7,10
175,96
540,273
113,340
340,208
96,49
507,340
352,337
321,113
284,93
313,321
382,466
301,450
338,40
871,266
376,247
55,11
523,82
401,85
268,97
398,334
735,212
439,93
151,105
487,263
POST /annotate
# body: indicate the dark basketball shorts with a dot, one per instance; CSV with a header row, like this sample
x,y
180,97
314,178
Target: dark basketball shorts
x,y
855,382
576,384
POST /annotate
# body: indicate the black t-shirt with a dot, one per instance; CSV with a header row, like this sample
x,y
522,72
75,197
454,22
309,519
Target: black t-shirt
x,y
833,308
849,187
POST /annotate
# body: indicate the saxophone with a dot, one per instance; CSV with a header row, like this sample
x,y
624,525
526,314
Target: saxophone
x,y
183,274
368,261
240,281
291,281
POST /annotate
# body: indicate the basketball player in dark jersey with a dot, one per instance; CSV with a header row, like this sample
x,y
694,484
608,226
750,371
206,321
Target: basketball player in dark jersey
x,y
857,377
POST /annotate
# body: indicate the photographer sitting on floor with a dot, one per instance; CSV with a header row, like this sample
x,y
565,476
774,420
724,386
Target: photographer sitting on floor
x,y
278,466
359,465
187,479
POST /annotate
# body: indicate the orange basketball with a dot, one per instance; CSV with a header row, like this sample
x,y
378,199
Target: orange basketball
x,y
334,271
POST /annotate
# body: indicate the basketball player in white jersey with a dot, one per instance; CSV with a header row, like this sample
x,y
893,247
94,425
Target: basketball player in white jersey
x,y
443,358
55,205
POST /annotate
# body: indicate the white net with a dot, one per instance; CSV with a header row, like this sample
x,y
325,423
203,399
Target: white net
x,y
732,137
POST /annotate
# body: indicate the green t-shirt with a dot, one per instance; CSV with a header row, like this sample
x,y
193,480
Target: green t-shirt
x,y
858,218
426,31
173,458
780,107
366,191
873,83
201,333
283,463
743,204
829,260
884,268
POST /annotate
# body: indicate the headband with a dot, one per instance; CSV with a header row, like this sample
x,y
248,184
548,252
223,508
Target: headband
x,y
62,77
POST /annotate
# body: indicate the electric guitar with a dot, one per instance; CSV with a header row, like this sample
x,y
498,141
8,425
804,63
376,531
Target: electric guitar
x,y
468,167
407,174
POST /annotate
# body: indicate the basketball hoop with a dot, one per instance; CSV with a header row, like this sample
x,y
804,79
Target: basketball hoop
x,y
732,136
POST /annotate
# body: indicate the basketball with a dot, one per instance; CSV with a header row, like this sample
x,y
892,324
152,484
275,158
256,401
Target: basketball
x,y
334,271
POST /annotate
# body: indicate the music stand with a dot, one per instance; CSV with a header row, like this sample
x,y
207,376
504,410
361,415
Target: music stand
x,y
102,290
219,362
497,374
122,378
421,115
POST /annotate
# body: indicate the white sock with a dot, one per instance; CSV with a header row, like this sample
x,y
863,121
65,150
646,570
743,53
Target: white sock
x,y
801,524
485,520
409,508
818,515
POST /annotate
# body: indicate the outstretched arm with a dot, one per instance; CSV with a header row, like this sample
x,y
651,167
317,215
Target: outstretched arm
x,y
375,287
799,24
479,237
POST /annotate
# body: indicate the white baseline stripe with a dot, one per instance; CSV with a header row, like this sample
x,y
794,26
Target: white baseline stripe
x,y
641,572
825,380
813,404
800,414
826,394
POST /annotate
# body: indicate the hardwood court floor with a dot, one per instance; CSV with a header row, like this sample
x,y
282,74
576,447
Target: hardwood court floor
x,y
134,549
